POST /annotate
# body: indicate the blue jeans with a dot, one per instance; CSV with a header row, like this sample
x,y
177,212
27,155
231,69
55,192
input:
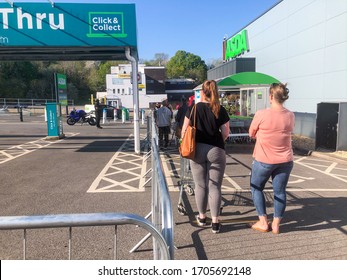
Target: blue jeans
x,y
261,173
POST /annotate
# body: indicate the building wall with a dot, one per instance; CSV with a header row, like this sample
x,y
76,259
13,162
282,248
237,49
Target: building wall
x,y
119,85
155,80
303,43
234,66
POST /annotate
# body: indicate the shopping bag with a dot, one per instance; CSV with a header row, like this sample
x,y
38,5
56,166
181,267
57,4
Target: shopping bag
x,y
188,145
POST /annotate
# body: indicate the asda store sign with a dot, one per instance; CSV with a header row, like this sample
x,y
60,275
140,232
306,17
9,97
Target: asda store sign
x,y
67,24
236,45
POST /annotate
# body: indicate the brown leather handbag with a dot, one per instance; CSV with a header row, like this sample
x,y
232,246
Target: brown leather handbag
x,y
188,145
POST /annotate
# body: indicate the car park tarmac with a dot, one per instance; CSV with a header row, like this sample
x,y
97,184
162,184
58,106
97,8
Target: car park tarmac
x,y
97,171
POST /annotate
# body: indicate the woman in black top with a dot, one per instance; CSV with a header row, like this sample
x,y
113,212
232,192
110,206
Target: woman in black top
x,y
212,124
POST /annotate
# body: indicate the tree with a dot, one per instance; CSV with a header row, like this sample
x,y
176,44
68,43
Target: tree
x,y
161,59
186,65
15,78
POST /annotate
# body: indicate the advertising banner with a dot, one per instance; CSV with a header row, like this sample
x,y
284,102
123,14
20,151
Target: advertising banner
x,y
67,24
62,89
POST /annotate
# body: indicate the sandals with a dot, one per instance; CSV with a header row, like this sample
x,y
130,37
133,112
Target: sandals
x,y
254,227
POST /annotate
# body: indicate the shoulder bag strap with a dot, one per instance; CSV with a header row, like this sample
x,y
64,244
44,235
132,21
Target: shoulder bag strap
x,y
191,112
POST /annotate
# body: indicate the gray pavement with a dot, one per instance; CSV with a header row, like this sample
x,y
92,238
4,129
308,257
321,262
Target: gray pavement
x,y
95,170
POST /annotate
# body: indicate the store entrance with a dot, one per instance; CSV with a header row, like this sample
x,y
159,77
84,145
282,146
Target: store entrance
x,y
253,99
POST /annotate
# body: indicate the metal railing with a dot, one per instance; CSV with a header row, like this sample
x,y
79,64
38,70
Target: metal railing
x,y
161,201
84,220
161,208
31,103
161,228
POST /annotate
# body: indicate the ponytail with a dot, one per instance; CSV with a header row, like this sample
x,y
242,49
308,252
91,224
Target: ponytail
x,y
211,91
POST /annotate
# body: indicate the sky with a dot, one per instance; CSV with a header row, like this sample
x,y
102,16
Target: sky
x,y
195,26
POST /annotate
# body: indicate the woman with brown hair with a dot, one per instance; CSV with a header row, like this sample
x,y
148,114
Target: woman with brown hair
x,y
208,165
273,156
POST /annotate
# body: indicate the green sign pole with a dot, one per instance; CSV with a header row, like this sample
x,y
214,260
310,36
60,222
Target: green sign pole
x,y
61,85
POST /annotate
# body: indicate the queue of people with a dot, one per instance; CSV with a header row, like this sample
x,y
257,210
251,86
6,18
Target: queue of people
x,y
273,155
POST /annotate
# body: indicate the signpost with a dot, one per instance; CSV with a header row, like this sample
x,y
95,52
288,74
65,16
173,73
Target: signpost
x,y
67,24
61,89
54,121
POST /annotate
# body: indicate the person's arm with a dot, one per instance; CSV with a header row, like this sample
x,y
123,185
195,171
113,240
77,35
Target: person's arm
x,y
225,130
185,125
178,115
253,129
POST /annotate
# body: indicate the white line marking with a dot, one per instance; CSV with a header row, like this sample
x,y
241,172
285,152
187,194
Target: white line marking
x,y
331,167
231,181
111,169
301,177
296,190
336,177
22,149
166,170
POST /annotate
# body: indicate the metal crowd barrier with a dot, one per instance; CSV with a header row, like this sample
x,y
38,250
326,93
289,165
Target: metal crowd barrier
x,y
161,228
161,201
161,208
84,220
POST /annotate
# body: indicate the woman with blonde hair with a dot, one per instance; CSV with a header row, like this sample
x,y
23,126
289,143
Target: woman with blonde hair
x,y
273,156
208,165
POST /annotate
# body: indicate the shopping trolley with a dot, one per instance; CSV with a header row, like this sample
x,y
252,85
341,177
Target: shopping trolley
x,y
174,136
186,183
238,132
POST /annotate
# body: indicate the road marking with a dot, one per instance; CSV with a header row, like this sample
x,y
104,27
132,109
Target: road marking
x,y
331,167
232,182
29,147
292,190
106,182
308,165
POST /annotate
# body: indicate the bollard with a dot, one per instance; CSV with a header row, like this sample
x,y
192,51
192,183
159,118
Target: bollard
x,y
123,115
143,116
104,115
21,113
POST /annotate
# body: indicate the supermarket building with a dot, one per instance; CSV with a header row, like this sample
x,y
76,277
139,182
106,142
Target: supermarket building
x,y
302,43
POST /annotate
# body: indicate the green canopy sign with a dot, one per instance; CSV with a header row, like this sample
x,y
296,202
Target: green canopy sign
x,y
247,79
67,24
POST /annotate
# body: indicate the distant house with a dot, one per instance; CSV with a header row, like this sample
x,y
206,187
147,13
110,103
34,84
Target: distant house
x,y
153,87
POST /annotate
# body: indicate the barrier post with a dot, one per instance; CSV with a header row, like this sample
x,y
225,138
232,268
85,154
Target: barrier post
x,y
123,115
143,116
104,115
21,113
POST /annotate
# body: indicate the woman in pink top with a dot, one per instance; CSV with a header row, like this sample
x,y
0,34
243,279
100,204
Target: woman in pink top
x,y
273,156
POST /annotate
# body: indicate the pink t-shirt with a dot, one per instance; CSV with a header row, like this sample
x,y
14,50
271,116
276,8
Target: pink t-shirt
x,y
272,130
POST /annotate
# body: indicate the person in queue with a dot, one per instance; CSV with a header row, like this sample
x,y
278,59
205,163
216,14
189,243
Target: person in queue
x,y
208,165
273,156
163,119
181,113
98,112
